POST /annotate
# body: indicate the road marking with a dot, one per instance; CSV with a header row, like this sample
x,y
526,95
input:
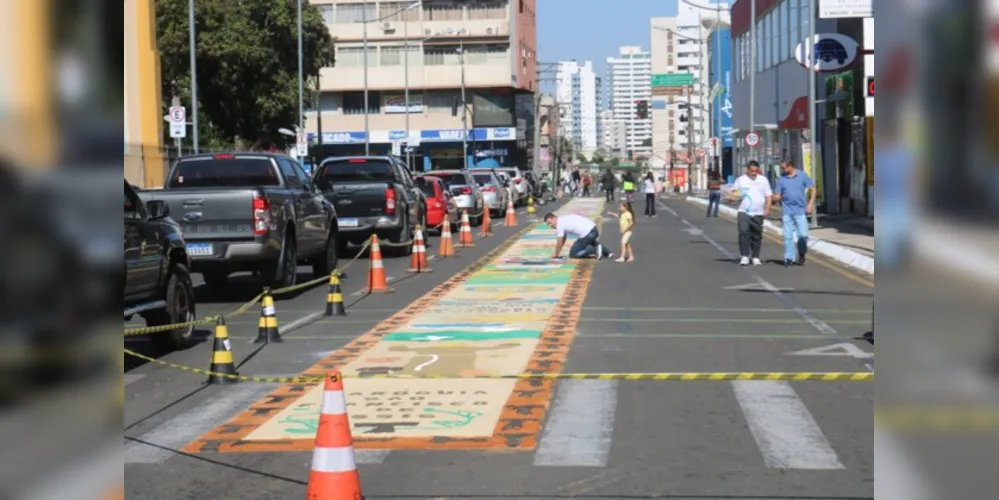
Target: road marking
x,y
822,326
129,378
180,430
784,430
718,309
296,324
720,320
579,432
754,287
794,335
841,349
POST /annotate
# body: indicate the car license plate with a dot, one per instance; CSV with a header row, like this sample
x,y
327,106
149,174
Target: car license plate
x,y
348,222
200,249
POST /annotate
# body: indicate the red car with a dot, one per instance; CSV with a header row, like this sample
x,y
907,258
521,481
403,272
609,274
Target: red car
x,y
440,202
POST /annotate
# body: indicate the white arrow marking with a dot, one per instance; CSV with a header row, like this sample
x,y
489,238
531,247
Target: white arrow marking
x,y
844,349
693,231
756,287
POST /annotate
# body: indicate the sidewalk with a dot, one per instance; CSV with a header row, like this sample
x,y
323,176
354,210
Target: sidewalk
x,y
848,239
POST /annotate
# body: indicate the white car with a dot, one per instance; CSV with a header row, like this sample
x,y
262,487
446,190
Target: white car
x,y
520,188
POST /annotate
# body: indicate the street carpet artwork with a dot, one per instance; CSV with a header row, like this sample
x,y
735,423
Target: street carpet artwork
x,y
512,314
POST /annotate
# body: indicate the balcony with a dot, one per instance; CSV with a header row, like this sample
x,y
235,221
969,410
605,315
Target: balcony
x,y
398,30
420,76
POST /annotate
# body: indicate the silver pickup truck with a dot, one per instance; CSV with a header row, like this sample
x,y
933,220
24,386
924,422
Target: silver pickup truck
x,y
255,212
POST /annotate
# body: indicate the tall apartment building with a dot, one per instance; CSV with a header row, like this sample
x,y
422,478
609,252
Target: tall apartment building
x,y
629,81
579,91
489,48
614,137
669,135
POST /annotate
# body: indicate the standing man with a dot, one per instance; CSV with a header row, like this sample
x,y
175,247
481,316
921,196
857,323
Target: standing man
x,y
576,180
609,184
587,236
714,193
796,193
754,190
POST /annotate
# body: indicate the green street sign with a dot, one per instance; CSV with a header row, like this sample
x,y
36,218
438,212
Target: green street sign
x,y
673,80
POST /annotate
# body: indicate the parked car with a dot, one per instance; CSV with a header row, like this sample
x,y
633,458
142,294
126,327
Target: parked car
x,y
157,282
495,191
466,192
440,202
518,184
254,212
373,195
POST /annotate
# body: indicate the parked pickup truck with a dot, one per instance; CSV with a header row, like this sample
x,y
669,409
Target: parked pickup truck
x,y
157,281
254,212
373,195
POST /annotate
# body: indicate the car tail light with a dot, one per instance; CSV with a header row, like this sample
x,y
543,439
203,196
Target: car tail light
x,y
464,191
518,181
489,189
356,160
390,201
224,157
261,215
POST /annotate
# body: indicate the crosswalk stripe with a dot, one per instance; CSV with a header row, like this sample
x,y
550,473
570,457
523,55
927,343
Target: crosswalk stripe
x,y
581,426
784,430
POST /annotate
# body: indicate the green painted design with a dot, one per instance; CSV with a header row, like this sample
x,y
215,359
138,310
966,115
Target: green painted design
x,y
463,419
460,336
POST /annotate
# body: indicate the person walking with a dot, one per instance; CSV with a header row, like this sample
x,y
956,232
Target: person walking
x,y
587,242
756,197
649,189
609,184
714,193
587,181
796,193
628,183
576,180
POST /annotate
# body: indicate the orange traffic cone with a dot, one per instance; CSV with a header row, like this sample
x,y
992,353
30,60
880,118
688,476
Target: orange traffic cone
x,y
447,242
418,262
465,233
487,224
511,214
377,281
334,472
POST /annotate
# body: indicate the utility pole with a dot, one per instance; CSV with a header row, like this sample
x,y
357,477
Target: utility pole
x,y
811,102
194,76
752,65
405,62
367,108
690,140
722,95
301,76
464,107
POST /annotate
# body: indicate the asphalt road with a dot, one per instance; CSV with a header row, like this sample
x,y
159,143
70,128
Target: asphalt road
x,y
685,306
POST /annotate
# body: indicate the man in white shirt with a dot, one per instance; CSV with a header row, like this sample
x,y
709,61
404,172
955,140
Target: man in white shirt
x,y
754,190
585,231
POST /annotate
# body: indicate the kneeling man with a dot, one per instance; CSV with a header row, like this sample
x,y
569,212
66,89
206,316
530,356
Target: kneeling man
x,y
583,229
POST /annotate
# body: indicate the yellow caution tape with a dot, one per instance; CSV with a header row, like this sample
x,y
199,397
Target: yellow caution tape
x,y
938,418
661,377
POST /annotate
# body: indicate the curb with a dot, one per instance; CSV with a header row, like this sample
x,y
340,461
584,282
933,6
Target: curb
x,y
833,251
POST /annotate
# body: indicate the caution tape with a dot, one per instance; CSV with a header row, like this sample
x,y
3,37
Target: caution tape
x,y
132,332
938,418
658,377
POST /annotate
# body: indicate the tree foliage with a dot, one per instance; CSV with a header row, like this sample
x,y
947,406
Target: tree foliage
x,y
247,65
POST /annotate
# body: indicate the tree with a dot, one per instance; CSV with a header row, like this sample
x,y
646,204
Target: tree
x,y
581,158
247,57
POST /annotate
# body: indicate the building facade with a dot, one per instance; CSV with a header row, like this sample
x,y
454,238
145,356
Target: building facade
x,y
780,104
720,101
578,88
629,81
668,136
614,138
484,51
145,163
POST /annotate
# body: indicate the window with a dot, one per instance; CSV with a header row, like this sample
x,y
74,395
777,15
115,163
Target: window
x,y
354,12
774,38
326,10
354,171
291,178
354,56
494,10
229,172
397,12
353,102
785,31
440,101
440,55
391,56
443,13
757,40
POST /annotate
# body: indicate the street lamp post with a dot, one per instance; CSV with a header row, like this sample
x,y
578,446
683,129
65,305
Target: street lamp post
x,y
301,76
194,76
464,106
811,101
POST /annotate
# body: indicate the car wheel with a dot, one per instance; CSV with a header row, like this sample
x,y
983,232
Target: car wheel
x,y
326,263
180,308
283,273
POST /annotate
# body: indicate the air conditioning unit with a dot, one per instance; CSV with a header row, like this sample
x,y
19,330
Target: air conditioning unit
x,y
492,31
428,32
388,27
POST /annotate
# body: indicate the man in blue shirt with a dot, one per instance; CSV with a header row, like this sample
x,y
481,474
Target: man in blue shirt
x,y
796,193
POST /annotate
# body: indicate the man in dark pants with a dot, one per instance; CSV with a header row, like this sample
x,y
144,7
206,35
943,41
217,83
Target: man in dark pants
x,y
609,184
587,236
714,193
756,195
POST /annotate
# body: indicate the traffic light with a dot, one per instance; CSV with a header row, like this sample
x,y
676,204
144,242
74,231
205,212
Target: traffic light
x,y
643,109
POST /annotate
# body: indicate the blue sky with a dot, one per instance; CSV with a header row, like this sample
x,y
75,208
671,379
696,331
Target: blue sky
x,y
594,29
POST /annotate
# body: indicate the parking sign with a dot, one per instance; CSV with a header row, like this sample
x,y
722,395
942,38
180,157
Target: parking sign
x,y
178,122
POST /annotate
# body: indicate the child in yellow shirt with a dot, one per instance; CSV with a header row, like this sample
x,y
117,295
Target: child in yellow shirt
x,y
627,222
